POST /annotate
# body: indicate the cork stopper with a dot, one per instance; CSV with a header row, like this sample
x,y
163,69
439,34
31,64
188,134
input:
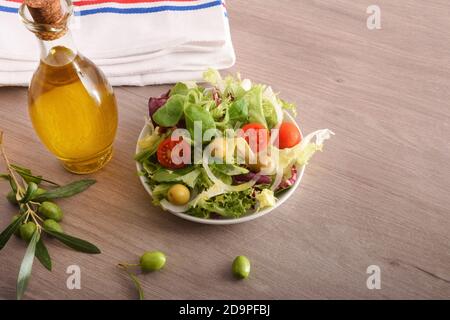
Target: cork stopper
x,y
45,11
48,12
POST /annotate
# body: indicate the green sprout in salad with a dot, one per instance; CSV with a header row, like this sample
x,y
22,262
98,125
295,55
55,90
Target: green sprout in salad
x,y
224,151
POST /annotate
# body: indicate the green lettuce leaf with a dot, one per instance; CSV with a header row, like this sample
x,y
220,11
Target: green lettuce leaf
x,y
270,114
255,105
195,114
302,153
186,175
159,192
229,205
238,113
170,114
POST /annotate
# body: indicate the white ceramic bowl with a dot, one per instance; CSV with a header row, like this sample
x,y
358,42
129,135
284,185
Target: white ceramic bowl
x,y
223,221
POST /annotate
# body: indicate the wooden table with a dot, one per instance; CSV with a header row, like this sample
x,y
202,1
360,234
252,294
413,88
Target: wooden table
x,y
379,194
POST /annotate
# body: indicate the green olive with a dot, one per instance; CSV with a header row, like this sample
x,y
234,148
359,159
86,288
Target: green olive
x,y
51,210
52,225
38,192
241,267
179,194
11,196
27,230
153,261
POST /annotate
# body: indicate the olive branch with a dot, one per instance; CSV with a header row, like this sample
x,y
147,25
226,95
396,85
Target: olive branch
x,y
38,214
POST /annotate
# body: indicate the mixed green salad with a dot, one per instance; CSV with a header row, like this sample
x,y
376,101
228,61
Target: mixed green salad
x,y
224,151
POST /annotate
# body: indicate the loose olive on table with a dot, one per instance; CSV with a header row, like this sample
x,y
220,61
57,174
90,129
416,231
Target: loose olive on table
x,y
241,267
152,261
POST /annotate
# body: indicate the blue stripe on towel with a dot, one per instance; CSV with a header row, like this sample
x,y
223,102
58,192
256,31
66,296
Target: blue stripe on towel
x,y
8,9
135,10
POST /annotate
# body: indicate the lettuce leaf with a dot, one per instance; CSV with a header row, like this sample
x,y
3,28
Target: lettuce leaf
x,y
272,108
255,105
194,113
302,153
159,192
188,176
288,106
270,114
230,169
265,198
238,113
149,145
171,112
230,86
214,78
229,205
180,88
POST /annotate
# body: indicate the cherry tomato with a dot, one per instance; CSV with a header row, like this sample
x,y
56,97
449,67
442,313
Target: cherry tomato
x,y
289,135
256,135
166,157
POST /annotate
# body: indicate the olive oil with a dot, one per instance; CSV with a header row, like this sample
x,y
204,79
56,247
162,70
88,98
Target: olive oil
x,y
73,110
70,102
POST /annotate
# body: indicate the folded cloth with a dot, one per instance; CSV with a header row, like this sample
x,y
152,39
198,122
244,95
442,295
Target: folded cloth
x,y
135,42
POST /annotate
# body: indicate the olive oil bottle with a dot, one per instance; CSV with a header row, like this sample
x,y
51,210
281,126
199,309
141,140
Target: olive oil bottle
x,y
71,104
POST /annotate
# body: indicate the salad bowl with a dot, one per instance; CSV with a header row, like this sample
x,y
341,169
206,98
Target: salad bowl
x,y
225,153
224,221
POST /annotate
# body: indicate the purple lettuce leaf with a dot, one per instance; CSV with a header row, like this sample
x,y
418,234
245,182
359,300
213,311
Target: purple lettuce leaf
x,y
243,178
155,103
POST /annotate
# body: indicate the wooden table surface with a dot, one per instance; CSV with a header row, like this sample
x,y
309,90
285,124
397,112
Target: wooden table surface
x,y
379,194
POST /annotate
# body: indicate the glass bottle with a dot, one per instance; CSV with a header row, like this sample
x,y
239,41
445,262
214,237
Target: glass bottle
x,y
71,104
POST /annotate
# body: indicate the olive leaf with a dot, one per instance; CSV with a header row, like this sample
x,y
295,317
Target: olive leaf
x,y
136,282
31,190
43,255
74,243
29,177
10,230
26,266
26,174
66,191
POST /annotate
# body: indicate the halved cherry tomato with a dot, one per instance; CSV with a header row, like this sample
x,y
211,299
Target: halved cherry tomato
x,y
288,136
256,135
166,157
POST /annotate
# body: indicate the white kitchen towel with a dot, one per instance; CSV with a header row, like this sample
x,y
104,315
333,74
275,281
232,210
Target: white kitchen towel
x,y
135,42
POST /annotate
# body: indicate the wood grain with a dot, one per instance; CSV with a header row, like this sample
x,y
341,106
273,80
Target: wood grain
x,y
378,195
